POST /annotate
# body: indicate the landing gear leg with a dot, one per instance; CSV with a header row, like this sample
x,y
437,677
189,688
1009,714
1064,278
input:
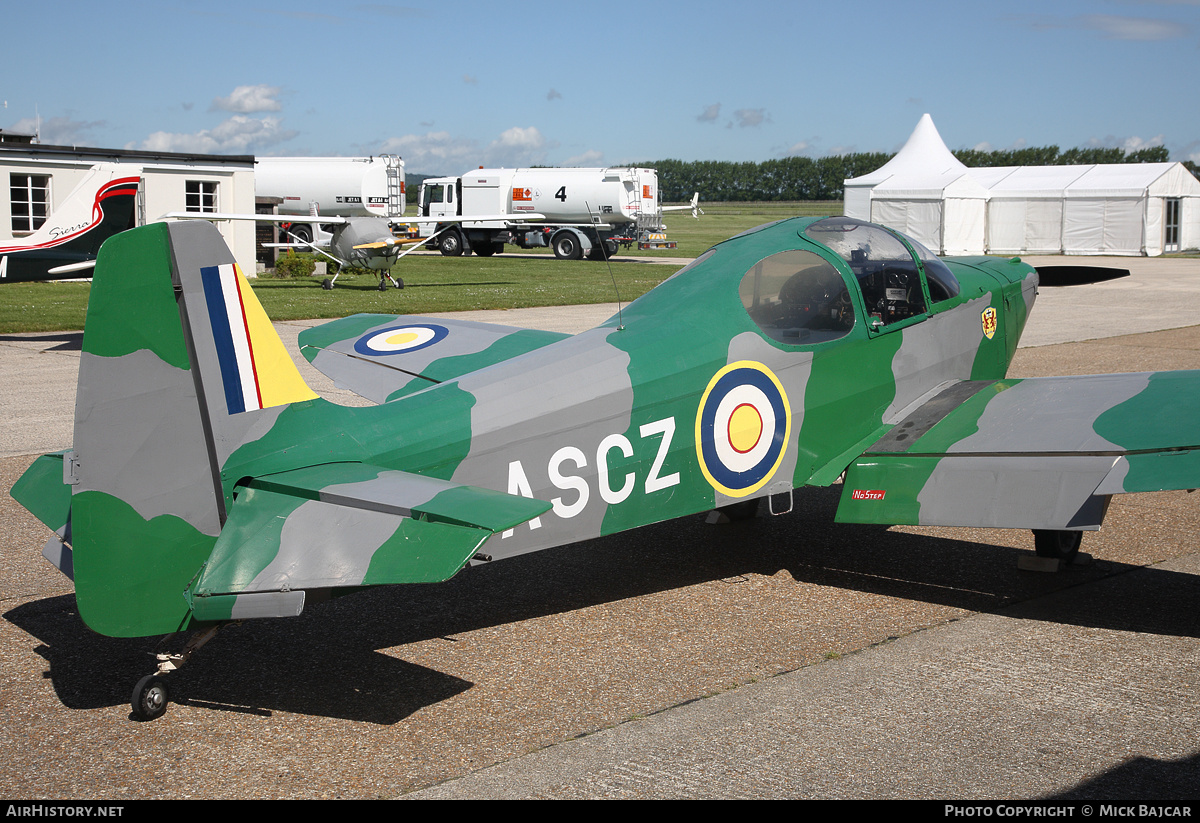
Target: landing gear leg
x,y
150,695
1056,544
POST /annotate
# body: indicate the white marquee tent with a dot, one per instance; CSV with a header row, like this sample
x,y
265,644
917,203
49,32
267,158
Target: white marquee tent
x,y
925,192
1123,209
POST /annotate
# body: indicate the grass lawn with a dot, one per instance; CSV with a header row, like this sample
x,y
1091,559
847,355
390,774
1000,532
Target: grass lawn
x,y
441,284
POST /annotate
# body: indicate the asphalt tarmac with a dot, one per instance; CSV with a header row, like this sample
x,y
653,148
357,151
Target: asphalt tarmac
x,y
784,657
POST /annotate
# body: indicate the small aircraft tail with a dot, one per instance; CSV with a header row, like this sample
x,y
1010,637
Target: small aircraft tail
x,y
193,493
179,365
693,206
102,205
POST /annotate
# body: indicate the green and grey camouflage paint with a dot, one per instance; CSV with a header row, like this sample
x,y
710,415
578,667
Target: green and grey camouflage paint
x,y
497,441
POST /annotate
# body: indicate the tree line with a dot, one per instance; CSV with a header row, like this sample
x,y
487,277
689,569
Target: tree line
x,y
806,178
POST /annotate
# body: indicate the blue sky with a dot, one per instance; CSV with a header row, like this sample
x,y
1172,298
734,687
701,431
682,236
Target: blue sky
x,y
453,85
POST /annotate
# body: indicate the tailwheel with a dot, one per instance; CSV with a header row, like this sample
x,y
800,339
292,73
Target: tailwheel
x,y
150,697
1057,544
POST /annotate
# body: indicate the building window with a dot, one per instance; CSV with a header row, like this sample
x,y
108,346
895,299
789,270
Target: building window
x,y
30,198
201,196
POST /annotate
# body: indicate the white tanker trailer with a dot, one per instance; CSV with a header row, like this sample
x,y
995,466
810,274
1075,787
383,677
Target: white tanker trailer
x,y
332,186
588,212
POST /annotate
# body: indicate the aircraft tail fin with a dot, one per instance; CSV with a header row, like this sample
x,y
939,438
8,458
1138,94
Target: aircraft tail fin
x,y
103,204
180,366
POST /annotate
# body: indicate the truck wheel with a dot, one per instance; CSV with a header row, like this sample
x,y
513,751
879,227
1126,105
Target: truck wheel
x,y
451,245
566,247
301,232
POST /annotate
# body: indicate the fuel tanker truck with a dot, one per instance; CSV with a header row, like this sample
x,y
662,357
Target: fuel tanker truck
x,y
585,212
333,187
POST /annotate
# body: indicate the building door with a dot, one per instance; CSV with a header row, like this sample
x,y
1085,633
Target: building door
x,y
1173,207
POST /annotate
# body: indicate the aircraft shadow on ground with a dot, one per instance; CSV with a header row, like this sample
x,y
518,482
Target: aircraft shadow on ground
x,y
1161,781
327,661
1078,275
453,285
71,340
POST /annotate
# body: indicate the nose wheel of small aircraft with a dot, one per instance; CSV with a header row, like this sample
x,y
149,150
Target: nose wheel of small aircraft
x,y
150,697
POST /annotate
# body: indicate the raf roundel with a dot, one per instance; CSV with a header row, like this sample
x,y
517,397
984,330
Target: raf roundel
x,y
742,428
400,339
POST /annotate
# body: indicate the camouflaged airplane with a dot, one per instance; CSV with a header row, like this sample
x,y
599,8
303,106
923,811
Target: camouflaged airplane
x,y
208,483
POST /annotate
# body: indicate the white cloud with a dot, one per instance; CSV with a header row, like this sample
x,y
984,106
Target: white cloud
x,y
750,117
1142,29
237,135
58,131
589,159
1136,143
1129,144
803,147
1113,27
441,153
248,99
709,114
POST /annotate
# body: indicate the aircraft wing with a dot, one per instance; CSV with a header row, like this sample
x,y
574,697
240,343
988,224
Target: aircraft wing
x,y
466,218
343,525
1039,453
259,218
382,356
322,218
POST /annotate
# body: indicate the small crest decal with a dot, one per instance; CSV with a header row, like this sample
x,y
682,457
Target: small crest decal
x,y
989,322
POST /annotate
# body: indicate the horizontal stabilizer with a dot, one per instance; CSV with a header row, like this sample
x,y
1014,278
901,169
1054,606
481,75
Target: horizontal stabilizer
x,y
382,357
347,525
42,490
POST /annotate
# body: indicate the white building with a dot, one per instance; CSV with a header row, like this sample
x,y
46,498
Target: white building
x,y
1120,209
39,176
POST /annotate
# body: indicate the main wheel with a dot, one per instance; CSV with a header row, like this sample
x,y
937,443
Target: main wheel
x,y
327,284
399,282
149,697
566,247
451,245
1055,544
